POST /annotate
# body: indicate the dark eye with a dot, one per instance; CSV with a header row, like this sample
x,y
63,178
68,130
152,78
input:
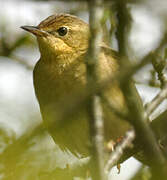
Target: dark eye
x,y
62,31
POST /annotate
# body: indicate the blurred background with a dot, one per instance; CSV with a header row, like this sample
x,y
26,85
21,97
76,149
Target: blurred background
x,y
27,150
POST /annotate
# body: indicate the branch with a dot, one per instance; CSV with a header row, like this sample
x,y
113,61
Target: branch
x,y
94,108
144,134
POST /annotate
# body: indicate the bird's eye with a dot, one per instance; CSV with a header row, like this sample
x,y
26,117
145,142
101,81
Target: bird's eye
x,y
62,31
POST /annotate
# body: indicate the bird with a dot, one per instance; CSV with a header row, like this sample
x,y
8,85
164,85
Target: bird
x,y
60,74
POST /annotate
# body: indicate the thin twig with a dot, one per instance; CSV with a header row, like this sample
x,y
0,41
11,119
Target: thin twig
x,y
159,65
157,100
119,150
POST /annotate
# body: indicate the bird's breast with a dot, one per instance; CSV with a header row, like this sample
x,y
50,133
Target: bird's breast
x,y
55,82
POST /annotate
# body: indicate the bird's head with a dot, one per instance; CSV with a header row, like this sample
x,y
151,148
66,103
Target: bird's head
x,y
61,34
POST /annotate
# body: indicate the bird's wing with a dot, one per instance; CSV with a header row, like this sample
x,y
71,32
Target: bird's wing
x,y
115,55
109,51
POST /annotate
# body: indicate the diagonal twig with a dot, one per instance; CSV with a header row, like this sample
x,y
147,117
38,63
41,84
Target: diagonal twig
x,y
157,100
119,150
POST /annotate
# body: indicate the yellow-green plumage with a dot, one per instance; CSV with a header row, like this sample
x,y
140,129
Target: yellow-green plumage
x,y
61,73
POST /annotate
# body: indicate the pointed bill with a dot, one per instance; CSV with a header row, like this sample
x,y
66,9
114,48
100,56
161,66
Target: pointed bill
x,y
35,30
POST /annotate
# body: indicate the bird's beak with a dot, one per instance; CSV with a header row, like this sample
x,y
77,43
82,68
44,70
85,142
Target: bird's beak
x,y
35,30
